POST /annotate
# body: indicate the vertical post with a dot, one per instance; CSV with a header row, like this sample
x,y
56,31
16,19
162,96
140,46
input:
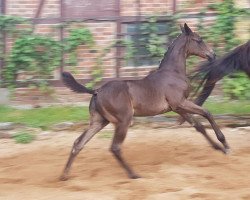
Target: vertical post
x,y
137,23
39,9
118,37
61,34
37,14
3,41
174,6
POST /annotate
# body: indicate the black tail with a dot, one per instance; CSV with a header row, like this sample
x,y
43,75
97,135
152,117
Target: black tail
x,y
71,83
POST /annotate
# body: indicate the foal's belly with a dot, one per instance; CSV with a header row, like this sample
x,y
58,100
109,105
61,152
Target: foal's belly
x,y
150,109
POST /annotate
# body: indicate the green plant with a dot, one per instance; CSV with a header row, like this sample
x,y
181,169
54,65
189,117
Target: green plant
x,y
23,137
237,87
77,37
34,53
148,40
38,55
222,32
129,46
173,28
97,71
9,24
153,42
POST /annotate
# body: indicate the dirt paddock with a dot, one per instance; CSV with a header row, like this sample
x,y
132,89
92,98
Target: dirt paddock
x,y
174,163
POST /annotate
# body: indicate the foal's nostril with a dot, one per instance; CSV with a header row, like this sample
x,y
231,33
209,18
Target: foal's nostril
x,y
214,55
211,56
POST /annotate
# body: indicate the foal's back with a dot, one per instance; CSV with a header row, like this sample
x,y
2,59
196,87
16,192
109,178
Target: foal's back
x,y
145,97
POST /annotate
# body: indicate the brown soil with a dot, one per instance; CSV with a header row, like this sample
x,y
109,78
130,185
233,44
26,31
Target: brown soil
x,y
175,164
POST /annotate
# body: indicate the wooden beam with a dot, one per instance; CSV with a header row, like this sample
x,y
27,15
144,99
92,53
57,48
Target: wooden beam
x,y
118,37
39,9
3,38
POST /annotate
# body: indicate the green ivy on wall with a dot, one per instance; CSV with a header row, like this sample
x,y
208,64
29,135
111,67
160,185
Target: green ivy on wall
x,y
37,54
77,37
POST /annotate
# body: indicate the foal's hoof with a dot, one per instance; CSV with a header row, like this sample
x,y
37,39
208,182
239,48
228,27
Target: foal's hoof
x,y
228,151
219,148
63,178
134,176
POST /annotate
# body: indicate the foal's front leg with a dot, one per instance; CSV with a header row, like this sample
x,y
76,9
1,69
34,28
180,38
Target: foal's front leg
x,y
189,107
200,128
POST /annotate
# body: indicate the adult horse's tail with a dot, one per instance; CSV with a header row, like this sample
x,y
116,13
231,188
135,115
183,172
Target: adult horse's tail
x,y
205,77
72,84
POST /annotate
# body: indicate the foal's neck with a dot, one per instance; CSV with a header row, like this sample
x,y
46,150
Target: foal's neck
x,y
175,58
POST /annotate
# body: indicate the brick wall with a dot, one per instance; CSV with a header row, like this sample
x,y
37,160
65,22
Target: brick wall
x,y
148,7
28,8
104,33
24,8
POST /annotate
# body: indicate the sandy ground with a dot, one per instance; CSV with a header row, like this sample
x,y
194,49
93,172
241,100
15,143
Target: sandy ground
x,y
174,163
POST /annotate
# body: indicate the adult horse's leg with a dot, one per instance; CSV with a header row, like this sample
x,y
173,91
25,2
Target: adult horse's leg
x,y
204,94
96,124
200,128
189,107
121,129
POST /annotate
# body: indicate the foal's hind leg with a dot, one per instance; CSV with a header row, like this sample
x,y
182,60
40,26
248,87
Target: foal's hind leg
x,y
200,128
96,124
190,107
121,129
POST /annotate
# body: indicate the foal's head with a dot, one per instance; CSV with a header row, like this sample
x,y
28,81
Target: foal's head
x,y
195,45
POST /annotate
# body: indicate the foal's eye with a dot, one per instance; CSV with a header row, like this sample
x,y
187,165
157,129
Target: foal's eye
x,y
199,40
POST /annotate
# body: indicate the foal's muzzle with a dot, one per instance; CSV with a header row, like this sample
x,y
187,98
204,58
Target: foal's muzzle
x,y
211,56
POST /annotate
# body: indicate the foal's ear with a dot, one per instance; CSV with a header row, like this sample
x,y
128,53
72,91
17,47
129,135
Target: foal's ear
x,y
182,29
186,30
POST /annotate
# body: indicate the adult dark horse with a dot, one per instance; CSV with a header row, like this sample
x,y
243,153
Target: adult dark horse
x,y
211,72
161,91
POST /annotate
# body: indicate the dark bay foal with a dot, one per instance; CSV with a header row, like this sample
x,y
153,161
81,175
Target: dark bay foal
x,y
164,90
